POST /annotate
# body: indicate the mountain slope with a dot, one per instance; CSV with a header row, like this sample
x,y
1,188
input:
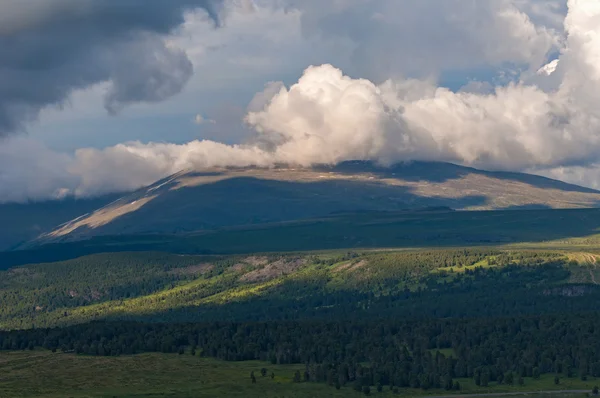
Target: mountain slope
x,y
436,227
21,222
192,201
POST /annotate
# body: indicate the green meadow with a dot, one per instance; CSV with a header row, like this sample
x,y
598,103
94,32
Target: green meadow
x,y
58,375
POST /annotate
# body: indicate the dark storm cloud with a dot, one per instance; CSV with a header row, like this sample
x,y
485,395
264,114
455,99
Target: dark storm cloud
x,y
49,48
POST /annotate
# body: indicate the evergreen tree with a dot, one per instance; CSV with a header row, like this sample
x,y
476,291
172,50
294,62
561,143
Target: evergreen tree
x,y
508,378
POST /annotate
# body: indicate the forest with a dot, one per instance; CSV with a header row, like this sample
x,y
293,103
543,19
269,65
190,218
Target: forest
x,y
398,320
160,287
357,320
398,354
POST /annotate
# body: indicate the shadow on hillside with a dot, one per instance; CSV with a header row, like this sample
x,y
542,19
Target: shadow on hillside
x,y
410,171
360,230
538,181
529,206
20,222
440,172
246,214
243,201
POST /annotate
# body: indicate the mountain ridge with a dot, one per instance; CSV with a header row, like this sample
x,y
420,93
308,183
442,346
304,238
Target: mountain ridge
x,y
222,197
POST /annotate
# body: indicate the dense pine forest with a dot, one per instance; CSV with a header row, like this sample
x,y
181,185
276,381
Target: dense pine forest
x,y
397,354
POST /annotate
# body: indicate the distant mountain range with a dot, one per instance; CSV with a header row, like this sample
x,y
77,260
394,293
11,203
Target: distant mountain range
x,y
194,201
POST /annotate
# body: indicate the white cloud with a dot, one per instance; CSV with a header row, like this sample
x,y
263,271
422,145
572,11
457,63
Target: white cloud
x,y
588,175
199,119
420,38
549,68
30,171
547,122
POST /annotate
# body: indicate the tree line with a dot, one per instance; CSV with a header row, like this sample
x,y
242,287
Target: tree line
x,y
398,354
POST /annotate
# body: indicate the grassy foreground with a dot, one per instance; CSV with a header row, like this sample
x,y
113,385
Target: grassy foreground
x,y
46,374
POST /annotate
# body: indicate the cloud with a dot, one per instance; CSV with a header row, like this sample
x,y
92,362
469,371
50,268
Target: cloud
x,y
547,123
262,99
549,68
388,38
30,171
588,175
328,117
199,119
50,48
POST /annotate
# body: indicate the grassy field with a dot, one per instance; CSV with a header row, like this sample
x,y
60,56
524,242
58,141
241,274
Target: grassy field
x,y
54,375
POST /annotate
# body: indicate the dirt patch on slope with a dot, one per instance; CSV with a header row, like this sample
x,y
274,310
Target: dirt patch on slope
x,y
239,267
283,266
19,271
350,266
251,261
256,260
342,267
358,265
199,269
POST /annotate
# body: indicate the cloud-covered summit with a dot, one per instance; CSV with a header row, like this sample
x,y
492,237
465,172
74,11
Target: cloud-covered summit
x,y
50,48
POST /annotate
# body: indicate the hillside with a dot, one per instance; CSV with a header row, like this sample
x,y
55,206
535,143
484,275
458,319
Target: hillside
x,y
278,286
195,201
361,318
21,222
400,229
412,322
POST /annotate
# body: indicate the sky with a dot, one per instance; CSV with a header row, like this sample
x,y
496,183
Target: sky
x,y
101,96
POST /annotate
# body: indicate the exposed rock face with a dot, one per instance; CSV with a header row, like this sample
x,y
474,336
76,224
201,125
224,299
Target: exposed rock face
x,y
281,267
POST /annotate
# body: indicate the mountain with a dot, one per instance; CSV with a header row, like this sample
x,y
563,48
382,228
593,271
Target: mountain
x,y
194,201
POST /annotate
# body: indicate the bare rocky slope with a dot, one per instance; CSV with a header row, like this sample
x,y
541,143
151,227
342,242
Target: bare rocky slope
x,y
192,201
